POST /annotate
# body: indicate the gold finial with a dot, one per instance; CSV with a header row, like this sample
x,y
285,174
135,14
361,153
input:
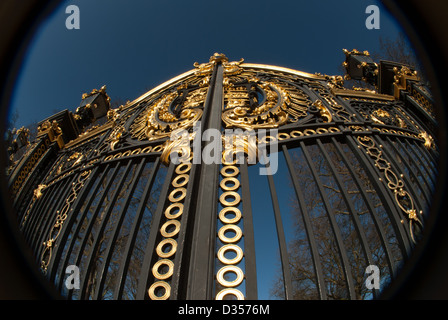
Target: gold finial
x,y
218,57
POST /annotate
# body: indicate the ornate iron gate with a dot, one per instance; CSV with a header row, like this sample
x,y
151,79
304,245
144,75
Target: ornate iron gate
x,y
355,176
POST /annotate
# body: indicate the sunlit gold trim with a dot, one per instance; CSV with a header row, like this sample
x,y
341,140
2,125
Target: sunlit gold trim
x,y
333,129
183,192
168,213
224,292
321,130
271,139
233,203
147,149
234,173
127,153
224,186
136,151
165,233
224,219
158,264
224,238
239,276
283,136
154,286
309,132
157,148
282,69
178,184
296,134
180,168
230,247
361,94
164,242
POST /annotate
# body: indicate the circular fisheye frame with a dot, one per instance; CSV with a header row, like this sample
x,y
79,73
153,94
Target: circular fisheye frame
x,y
283,151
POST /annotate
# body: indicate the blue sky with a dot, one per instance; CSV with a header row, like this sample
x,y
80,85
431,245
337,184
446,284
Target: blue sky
x,y
132,46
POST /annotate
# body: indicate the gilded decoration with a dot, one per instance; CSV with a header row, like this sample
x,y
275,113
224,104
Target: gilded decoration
x,y
393,181
174,110
252,103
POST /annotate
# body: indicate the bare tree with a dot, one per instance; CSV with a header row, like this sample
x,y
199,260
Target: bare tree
x,y
322,229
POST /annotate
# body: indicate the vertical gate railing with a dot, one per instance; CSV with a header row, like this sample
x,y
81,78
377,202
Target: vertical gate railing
x,y
359,166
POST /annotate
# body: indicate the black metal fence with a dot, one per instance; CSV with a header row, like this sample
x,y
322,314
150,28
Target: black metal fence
x,y
355,176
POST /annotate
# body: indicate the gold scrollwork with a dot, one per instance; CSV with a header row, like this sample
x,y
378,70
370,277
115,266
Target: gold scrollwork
x,y
61,216
181,146
429,140
271,113
157,121
38,191
394,183
324,112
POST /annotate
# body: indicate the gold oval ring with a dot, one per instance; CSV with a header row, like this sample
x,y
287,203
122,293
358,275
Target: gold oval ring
x,y
127,153
183,192
226,155
224,292
147,149
321,130
230,247
168,210
271,139
283,136
170,242
158,264
136,151
178,184
224,219
157,148
158,284
180,168
239,276
296,134
224,186
225,173
165,233
224,238
309,132
233,203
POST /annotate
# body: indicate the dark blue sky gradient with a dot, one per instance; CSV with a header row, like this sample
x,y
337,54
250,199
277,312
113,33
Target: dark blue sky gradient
x,y
132,46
